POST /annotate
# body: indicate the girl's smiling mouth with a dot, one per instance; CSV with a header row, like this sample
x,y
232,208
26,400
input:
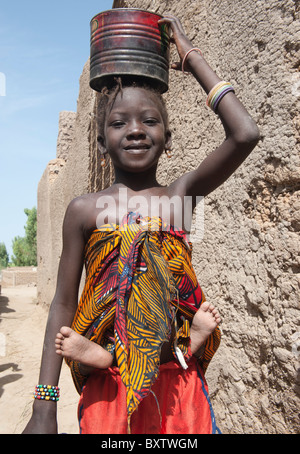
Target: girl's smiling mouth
x,y
137,148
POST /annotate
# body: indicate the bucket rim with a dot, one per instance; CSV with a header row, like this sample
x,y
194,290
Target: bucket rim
x,y
126,9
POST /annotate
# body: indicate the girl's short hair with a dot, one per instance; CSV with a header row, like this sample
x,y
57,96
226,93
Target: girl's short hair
x,y
107,97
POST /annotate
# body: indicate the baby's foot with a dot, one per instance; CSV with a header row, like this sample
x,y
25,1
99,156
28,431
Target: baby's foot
x,y
73,346
204,323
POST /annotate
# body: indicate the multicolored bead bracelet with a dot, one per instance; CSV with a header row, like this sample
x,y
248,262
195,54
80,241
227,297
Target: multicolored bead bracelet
x,y
47,392
217,93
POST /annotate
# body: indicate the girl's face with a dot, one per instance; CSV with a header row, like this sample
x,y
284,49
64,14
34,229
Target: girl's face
x,y
134,133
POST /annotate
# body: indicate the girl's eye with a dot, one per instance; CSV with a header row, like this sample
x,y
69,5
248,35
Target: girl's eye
x,y
117,124
151,121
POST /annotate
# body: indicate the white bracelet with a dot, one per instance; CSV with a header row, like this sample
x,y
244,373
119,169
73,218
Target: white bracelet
x,y
186,55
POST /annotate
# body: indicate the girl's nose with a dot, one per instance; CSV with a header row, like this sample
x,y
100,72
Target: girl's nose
x,y
135,131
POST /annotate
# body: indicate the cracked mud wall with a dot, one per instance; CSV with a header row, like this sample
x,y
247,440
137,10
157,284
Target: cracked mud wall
x,y
248,260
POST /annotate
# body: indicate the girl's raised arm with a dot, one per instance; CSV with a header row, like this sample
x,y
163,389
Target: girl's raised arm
x,y
241,132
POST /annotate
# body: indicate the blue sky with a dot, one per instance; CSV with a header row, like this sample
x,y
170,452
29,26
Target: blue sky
x,y
43,48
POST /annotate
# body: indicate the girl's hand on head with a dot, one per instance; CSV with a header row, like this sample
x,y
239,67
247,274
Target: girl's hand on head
x,y
179,37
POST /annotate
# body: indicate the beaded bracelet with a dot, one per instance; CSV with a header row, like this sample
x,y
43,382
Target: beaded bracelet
x,y
46,392
186,55
217,93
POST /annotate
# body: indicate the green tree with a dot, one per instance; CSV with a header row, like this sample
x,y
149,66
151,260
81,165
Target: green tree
x,y
24,248
4,258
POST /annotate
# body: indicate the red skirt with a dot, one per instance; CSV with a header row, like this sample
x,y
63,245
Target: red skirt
x,y
178,403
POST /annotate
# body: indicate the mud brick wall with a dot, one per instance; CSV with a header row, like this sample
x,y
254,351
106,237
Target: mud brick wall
x,y
25,275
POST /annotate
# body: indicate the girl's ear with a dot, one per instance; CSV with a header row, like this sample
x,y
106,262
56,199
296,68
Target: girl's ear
x,y
101,145
168,144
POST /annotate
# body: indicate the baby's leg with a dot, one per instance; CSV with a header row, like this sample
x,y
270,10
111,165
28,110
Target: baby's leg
x,y
72,345
204,323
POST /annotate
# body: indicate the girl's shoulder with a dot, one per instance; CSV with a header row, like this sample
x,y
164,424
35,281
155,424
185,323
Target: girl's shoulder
x,y
79,205
85,201
83,210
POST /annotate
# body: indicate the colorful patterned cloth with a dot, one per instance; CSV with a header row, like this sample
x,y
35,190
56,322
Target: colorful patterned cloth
x,y
139,281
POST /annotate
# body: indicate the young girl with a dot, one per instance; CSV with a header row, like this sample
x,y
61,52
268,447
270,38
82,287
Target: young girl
x,y
141,338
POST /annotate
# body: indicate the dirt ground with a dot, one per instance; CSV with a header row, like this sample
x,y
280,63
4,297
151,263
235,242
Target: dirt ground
x,y
22,326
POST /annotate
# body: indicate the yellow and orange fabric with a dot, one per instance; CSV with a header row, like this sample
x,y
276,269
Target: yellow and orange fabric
x,y
139,281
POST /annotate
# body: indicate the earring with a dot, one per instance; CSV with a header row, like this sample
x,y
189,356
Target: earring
x,y
168,153
102,161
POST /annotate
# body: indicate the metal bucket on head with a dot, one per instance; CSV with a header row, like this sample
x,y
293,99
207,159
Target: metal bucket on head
x,y
129,42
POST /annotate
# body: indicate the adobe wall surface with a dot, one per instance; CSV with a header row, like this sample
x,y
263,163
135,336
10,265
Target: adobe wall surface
x,y
66,177
24,275
248,259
